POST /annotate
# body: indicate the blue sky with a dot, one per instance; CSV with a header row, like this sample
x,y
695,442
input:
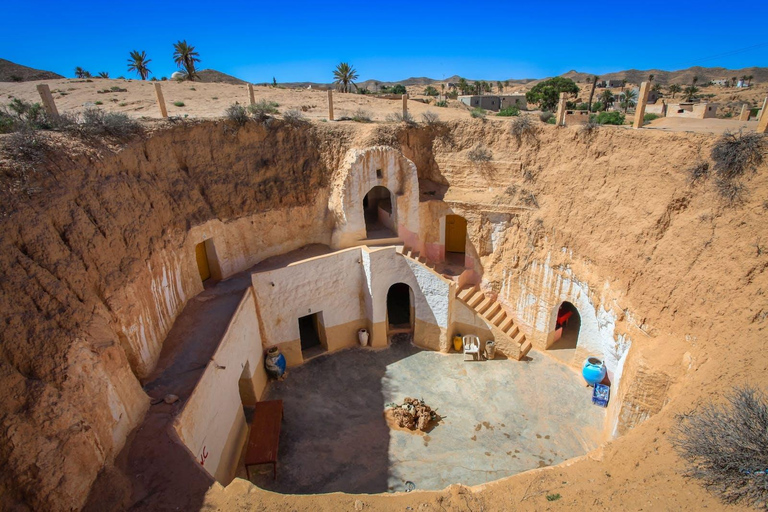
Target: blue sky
x,y
303,41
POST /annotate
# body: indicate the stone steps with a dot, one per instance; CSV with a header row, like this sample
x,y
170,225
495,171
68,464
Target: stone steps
x,y
502,323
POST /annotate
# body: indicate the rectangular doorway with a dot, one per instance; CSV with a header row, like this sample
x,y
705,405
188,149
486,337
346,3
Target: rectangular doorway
x,y
202,262
312,335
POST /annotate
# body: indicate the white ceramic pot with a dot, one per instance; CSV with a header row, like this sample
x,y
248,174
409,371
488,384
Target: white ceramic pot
x,y
362,335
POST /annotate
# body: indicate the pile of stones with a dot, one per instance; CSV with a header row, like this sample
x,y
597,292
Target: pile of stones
x,y
412,414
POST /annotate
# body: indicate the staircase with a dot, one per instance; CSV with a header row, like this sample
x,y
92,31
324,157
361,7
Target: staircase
x,y
509,338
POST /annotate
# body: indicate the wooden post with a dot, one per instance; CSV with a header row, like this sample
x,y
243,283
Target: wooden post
x,y
47,97
762,124
251,94
642,101
762,110
745,111
330,104
560,119
405,106
160,100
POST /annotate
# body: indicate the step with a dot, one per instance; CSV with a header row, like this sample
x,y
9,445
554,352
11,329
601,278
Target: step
x,y
506,324
484,305
500,316
476,299
467,292
520,338
512,331
525,349
492,311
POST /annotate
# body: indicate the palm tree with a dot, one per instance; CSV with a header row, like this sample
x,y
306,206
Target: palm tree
x,y
749,79
81,73
592,93
733,81
628,97
690,92
606,98
103,74
185,58
500,86
674,89
138,62
656,87
651,77
344,75
463,85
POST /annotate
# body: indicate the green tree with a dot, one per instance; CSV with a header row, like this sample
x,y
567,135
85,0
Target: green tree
x,y
628,97
81,73
547,93
656,87
463,85
138,62
274,82
430,91
651,77
500,86
344,75
185,57
674,89
749,79
103,74
606,97
690,92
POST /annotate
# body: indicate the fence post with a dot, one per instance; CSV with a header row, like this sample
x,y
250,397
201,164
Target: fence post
x,y
160,100
47,97
330,104
642,101
405,106
251,94
560,119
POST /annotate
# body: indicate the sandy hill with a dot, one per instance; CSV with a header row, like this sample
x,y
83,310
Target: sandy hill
x,y
211,75
12,72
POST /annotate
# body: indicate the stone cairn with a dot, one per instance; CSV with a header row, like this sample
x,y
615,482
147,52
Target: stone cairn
x,y
412,414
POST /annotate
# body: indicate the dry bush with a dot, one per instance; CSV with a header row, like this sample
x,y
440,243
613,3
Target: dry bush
x,y
27,146
361,116
726,446
263,109
588,129
699,171
734,156
480,154
237,114
294,116
523,128
96,122
430,118
546,116
398,117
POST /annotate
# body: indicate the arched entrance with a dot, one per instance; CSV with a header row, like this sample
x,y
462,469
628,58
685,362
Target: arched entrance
x,y
399,309
566,335
455,239
379,212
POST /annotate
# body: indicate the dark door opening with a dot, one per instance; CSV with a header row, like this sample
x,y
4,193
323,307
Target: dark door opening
x,y
311,335
566,335
379,213
399,307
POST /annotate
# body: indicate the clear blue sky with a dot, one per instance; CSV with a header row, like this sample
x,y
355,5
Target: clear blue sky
x,y
303,41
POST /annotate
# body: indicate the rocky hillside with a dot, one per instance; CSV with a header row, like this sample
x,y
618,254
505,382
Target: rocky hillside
x,y
12,72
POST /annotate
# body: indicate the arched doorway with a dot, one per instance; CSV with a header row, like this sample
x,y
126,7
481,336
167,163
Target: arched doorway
x,y
566,335
455,239
379,212
399,309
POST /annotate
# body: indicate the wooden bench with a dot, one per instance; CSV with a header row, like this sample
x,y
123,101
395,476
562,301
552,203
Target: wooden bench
x,y
265,436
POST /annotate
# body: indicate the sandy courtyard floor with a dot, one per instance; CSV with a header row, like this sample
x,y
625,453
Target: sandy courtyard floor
x,y
500,418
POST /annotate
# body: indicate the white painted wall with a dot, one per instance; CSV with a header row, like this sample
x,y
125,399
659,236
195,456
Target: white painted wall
x,y
332,284
213,416
357,176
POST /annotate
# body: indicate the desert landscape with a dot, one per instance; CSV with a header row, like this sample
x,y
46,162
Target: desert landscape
x,y
378,295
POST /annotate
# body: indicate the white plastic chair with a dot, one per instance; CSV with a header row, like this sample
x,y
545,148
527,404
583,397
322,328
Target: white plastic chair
x,y
471,347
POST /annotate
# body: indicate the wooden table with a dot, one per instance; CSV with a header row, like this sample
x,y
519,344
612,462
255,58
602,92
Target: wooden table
x,y
265,435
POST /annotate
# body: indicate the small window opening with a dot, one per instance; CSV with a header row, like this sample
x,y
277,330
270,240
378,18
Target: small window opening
x,y
378,173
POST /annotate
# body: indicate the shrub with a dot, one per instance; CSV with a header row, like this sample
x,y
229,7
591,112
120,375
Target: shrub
x,y
441,103
26,145
237,114
555,496
597,106
479,154
616,118
361,116
588,129
294,116
395,89
647,118
726,446
398,117
582,106
262,109
118,125
7,122
29,114
546,116
430,118
509,111
16,78
178,103
98,102
523,128
698,172
734,156
430,91
478,113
